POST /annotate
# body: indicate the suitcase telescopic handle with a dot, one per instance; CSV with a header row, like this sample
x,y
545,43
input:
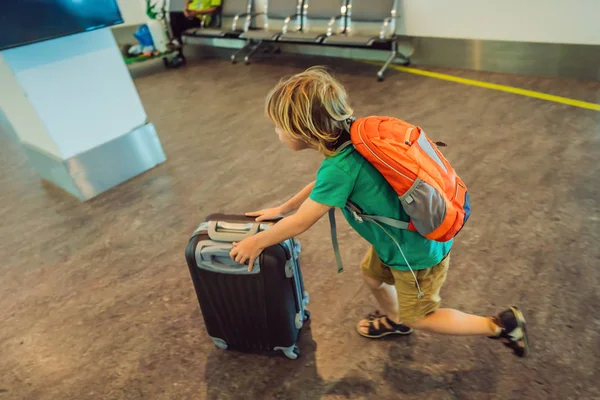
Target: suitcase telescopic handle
x,y
231,232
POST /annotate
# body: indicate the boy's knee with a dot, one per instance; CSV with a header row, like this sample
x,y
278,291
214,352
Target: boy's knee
x,y
370,281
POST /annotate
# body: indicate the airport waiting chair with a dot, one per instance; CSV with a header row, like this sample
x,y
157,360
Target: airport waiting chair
x,y
229,26
320,18
280,17
370,24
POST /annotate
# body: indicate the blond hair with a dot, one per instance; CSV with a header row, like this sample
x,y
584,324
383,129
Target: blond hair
x,y
312,107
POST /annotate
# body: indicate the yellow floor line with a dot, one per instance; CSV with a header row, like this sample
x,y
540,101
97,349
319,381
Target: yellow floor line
x,y
502,88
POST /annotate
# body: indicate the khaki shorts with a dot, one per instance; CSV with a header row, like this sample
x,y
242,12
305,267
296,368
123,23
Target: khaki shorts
x,y
411,308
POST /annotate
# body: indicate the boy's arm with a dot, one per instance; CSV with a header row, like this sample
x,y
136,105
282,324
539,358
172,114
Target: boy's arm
x,y
249,249
186,9
296,202
288,207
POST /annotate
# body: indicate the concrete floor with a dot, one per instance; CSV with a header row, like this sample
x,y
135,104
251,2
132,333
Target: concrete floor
x,y
96,300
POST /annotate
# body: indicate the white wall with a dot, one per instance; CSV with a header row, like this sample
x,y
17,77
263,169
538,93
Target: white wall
x,y
553,21
20,113
78,86
133,11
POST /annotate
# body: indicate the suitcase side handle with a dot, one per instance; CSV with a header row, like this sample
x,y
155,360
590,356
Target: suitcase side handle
x,y
216,258
231,232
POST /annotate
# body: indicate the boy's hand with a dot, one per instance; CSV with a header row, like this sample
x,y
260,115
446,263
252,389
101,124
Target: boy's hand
x,y
266,214
249,249
246,250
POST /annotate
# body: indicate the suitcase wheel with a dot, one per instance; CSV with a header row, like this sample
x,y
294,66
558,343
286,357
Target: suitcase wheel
x,y
306,315
220,343
292,352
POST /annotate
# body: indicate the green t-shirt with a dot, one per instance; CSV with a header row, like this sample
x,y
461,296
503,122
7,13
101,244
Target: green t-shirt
x,y
349,176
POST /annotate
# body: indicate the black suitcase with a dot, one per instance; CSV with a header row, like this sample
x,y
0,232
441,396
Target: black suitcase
x,y
258,311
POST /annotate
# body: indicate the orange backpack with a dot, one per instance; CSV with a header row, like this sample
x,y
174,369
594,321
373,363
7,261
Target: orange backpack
x,y
433,196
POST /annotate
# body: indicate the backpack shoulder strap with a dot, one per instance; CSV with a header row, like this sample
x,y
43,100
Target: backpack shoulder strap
x,y
334,241
395,223
344,146
360,217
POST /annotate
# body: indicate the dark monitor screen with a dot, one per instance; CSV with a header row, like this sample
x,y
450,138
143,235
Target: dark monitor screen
x,y
28,21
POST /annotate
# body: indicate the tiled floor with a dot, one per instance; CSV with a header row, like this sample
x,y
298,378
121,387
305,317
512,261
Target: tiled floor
x,y
96,301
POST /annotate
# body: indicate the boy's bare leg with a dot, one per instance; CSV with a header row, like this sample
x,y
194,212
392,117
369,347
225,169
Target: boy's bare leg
x,y
508,326
385,295
378,325
447,321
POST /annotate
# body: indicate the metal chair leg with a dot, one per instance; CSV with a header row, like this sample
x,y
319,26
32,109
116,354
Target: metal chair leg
x,y
235,55
388,62
252,51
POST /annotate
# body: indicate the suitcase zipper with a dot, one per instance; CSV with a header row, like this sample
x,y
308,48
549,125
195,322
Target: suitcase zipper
x,y
407,137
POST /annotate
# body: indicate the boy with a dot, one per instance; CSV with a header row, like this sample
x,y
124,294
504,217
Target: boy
x,y
310,111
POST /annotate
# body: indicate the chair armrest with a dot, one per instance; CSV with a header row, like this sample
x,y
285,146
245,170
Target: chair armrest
x,y
332,22
287,21
385,26
249,17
